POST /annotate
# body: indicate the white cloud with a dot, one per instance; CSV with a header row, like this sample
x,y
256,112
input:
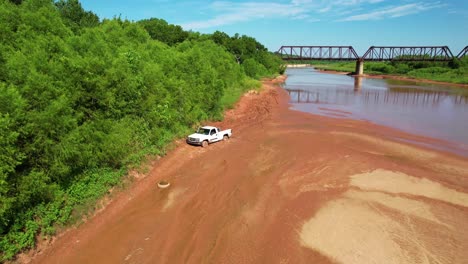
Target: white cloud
x,y
301,2
230,12
355,2
394,11
325,9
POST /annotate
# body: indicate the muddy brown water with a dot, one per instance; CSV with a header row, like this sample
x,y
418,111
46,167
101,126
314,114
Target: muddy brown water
x,y
288,187
433,110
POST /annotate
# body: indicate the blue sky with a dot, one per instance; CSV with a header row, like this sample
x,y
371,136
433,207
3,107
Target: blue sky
x,y
359,23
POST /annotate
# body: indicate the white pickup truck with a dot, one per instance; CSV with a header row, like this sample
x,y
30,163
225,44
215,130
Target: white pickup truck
x,y
208,134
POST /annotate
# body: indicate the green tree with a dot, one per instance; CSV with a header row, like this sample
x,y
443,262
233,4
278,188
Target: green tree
x,y
81,101
74,16
160,30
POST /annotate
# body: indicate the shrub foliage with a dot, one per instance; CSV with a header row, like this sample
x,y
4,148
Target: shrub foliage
x,y
83,99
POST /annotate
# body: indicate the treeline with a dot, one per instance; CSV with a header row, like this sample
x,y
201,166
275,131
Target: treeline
x,y
82,99
455,71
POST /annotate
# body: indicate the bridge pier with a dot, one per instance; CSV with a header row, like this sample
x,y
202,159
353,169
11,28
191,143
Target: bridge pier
x,y
359,67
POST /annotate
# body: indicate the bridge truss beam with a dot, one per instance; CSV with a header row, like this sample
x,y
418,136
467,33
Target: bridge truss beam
x,y
463,53
297,53
428,53
374,53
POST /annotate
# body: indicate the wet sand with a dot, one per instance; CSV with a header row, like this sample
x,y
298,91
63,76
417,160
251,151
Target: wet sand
x,y
288,187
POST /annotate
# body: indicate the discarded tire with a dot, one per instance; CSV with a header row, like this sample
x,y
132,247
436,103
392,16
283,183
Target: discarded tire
x,y
163,184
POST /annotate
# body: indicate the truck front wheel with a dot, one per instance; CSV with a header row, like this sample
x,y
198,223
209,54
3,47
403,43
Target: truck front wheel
x,y
204,144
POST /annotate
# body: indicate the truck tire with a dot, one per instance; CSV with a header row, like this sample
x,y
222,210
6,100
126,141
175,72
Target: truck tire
x,y
204,144
225,137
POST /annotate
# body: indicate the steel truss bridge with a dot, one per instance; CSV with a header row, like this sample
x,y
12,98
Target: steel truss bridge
x,y
374,53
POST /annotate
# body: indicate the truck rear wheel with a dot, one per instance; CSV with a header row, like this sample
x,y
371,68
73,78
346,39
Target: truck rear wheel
x,y
204,144
225,137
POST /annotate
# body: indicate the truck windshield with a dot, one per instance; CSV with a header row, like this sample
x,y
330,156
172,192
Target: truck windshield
x,y
203,131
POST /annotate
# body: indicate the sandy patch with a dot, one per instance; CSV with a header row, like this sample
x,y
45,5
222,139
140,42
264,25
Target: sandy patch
x,y
350,232
354,231
373,224
401,204
397,182
171,198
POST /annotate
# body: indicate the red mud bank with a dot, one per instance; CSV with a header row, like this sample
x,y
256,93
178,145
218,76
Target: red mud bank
x,y
288,187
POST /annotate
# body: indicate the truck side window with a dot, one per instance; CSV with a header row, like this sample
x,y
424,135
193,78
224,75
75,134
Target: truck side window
x,y
212,132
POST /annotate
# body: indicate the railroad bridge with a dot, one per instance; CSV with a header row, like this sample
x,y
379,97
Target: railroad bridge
x,y
374,53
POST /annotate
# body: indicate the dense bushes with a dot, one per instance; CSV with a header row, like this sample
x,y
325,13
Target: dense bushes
x,y
81,100
254,57
159,29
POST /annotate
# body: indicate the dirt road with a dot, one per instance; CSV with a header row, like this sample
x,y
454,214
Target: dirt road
x,y
288,187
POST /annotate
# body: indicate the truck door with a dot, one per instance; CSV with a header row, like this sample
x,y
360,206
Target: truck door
x,y
213,135
218,135
218,132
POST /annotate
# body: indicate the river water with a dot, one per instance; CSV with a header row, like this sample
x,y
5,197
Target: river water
x,y
431,110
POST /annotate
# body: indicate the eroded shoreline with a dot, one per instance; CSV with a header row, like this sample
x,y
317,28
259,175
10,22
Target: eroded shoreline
x,y
393,77
289,187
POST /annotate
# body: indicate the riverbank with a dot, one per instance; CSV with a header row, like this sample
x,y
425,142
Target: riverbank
x,y
288,187
378,70
390,76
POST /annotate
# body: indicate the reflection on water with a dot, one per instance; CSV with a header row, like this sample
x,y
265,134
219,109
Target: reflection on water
x,y
432,110
392,96
357,83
